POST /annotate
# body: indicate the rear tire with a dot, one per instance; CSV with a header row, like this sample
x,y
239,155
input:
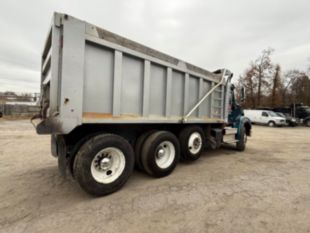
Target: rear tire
x,y
103,164
192,141
138,148
160,153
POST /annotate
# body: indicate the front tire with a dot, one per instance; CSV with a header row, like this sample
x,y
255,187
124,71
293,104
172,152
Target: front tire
x,y
103,164
271,124
160,153
240,145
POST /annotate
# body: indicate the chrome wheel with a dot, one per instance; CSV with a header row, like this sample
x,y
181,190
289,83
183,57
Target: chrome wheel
x,y
165,154
108,165
195,143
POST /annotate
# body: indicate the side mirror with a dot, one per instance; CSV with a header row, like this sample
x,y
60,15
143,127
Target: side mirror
x,y
242,99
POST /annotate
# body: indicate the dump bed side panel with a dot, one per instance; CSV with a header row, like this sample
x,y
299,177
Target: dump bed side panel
x,y
120,86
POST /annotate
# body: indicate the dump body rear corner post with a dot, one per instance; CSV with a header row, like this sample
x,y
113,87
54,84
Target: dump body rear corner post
x,y
73,54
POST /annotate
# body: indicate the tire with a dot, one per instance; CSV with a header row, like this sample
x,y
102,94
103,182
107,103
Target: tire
x,y
307,123
160,153
138,148
271,124
103,164
192,142
76,149
240,145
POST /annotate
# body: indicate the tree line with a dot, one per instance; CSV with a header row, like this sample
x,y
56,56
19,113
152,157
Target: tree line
x,y
267,85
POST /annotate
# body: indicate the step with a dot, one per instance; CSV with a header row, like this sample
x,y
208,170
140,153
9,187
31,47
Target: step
x,y
229,138
230,142
230,131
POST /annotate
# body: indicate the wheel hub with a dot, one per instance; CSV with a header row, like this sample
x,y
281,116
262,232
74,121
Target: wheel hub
x,y
161,153
105,164
195,143
165,154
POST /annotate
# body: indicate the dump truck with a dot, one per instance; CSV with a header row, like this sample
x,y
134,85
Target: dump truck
x,y
111,104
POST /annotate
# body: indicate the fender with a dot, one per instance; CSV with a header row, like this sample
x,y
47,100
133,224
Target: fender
x,y
245,122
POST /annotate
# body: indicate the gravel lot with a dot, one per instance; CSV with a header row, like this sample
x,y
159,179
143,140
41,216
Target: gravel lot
x,y
264,189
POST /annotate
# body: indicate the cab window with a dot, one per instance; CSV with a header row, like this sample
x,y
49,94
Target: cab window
x,y
264,114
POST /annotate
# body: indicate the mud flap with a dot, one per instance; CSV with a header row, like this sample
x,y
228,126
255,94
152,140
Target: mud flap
x,y
62,156
217,135
42,126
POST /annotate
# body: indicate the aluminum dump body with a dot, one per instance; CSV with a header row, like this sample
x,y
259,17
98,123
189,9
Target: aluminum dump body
x,y
90,75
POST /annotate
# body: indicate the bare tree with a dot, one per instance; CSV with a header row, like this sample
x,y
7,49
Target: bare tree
x,y
263,67
256,78
288,79
251,85
275,86
266,86
300,88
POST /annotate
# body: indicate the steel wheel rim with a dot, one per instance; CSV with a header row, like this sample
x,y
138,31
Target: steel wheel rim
x,y
195,143
165,154
108,165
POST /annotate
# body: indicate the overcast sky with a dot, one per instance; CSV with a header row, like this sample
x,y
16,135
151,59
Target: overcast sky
x,y
209,33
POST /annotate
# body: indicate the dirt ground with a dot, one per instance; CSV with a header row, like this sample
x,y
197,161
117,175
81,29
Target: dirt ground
x,y
264,189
